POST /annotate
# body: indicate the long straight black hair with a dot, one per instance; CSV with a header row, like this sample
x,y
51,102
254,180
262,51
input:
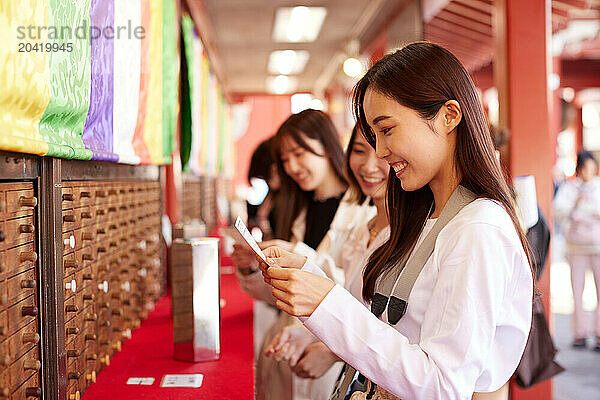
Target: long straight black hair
x,y
423,77
312,124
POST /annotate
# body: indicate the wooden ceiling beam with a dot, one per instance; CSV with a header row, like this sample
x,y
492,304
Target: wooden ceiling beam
x,y
477,4
480,53
452,28
469,12
464,42
465,22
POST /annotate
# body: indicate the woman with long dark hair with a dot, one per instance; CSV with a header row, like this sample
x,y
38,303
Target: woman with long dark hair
x,y
451,291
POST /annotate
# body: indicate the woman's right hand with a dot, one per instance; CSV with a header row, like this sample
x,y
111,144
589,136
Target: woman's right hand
x,y
243,258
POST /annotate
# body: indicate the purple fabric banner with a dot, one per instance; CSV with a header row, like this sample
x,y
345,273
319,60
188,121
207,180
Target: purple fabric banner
x,y
98,130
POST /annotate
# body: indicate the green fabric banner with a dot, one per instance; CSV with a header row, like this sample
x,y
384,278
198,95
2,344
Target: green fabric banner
x,y
187,85
170,78
63,121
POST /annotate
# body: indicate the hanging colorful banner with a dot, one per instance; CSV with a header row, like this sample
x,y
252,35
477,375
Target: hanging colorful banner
x,y
127,82
24,77
98,130
89,79
64,119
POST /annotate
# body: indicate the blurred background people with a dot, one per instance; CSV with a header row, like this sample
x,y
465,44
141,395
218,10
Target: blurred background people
x,y
577,207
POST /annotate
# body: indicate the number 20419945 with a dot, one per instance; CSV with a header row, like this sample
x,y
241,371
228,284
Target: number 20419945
x,y
45,47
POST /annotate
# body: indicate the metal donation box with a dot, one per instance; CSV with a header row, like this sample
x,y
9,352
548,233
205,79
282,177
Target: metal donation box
x,y
195,299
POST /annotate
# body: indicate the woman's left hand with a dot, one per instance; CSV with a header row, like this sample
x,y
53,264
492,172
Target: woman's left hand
x,y
298,293
316,360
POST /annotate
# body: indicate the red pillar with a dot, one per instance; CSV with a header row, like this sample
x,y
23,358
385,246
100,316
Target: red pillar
x,y
556,121
578,127
520,69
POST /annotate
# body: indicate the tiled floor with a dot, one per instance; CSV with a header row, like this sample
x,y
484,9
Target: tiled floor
x,y
581,380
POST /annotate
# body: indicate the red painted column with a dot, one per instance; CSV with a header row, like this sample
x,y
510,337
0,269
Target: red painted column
x,y
578,127
521,70
556,121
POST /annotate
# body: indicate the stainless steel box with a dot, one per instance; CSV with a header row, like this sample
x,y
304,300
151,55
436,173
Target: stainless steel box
x,y
195,299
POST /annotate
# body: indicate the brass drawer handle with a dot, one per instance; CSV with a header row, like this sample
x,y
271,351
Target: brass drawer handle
x,y
68,197
72,331
71,308
85,194
69,218
68,263
27,201
34,365
31,337
29,311
26,228
73,354
28,284
33,392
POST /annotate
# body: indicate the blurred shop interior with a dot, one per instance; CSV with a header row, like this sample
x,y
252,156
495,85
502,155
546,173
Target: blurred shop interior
x,y
112,151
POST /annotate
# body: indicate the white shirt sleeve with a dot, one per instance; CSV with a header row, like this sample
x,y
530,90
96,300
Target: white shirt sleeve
x,y
457,336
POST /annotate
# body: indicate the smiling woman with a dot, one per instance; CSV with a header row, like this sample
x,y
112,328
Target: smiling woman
x,y
450,292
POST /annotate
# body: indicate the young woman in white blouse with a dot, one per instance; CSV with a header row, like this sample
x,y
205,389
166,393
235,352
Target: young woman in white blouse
x,y
469,311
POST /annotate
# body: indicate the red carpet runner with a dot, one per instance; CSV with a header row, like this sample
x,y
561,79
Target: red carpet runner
x,y
149,353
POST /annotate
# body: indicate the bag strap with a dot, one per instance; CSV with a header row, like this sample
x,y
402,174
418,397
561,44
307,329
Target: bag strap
x,y
343,382
401,279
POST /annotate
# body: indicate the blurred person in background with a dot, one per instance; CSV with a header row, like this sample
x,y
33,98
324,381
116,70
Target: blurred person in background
x,y
577,207
263,175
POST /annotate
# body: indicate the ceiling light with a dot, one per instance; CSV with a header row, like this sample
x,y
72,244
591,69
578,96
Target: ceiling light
x,y
287,62
353,67
281,84
298,24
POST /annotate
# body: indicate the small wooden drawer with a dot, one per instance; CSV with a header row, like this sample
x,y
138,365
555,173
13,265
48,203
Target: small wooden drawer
x,y
70,220
19,231
24,340
71,284
84,195
68,198
22,285
20,203
71,263
25,367
71,309
4,383
84,237
84,215
31,389
22,314
19,259
75,346
69,242
4,332
3,234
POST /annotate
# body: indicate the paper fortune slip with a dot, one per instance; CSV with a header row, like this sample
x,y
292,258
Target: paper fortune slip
x,y
186,380
140,381
247,236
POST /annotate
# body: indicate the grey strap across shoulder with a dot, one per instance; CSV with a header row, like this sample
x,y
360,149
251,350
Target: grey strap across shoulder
x,y
402,278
